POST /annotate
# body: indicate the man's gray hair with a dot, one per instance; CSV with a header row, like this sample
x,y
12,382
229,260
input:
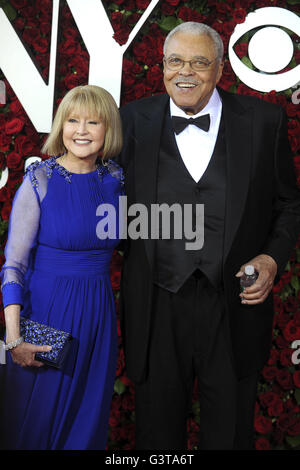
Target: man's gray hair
x,y
191,27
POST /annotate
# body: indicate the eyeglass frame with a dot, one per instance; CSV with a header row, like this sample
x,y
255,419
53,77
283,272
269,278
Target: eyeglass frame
x,y
183,62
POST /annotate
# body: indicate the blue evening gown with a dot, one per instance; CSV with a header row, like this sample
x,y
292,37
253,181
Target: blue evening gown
x,y
59,270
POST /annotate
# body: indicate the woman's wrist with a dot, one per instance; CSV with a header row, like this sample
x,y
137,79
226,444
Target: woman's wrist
x,y
13,344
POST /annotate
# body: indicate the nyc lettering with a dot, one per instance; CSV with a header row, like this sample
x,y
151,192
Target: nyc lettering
x,y
97,33
37,97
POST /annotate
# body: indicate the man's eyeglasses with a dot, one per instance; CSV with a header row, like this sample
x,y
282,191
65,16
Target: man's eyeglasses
x,y
175,63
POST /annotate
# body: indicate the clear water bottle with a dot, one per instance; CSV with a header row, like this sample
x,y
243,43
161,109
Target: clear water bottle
x,y
249,277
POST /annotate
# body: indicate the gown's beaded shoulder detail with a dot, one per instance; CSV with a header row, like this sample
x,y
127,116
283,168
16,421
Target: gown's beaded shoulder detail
x,y
115,170
30,170
108,167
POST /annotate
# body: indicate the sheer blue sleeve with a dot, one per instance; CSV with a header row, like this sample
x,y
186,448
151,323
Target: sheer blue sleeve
x,y
23,227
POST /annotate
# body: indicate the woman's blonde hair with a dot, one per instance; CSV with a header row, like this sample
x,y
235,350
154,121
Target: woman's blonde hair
x,y
99,103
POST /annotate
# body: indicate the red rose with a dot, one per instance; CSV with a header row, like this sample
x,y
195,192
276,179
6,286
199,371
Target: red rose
x,y
114,419
286,357
291,304
6,209
117,20
43,5
274,97
141,90
14,180
120,363
40,45
72,80
121,36
70,47
263,425
167,10
223,10
242,89
291,110
241,49
142,4
267,399
14,126
25,146
187,14
29,11
239,15
5,194
294,429
14,161
174,3
19,23
276,409
130,68
296,318
16,108
285,421
269,373
31,34
283,319
282,343
291,331
18,3
284,378
2,161
296,378
5,142
155,78
115,280
262,444
273,357
133,19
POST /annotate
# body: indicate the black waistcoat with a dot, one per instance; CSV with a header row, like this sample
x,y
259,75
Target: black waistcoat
x,y
173,262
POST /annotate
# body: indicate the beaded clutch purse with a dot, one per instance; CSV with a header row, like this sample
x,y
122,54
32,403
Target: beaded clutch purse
x,y
44,335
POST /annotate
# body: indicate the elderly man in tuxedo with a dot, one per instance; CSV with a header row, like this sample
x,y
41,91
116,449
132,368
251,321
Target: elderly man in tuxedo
x,y
182,312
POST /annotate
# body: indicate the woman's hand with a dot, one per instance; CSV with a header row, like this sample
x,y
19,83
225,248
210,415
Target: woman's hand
x,y
23,355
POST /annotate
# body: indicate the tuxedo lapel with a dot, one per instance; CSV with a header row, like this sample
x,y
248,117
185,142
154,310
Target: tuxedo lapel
x,y
149,125
239,138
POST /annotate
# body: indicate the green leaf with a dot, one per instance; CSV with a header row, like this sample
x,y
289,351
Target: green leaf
x,y
297,395
3,227
10,12
293,2
2,3
119,387
293,441
247,62
295,283
169,22
113,7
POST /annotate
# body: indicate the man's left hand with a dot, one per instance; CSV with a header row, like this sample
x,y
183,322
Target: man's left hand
x,y
259,291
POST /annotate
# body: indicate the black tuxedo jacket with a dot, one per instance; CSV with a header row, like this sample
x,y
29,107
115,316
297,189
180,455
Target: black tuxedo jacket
x,y
262,216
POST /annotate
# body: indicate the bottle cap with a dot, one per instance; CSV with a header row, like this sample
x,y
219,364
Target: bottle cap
x,y
249,270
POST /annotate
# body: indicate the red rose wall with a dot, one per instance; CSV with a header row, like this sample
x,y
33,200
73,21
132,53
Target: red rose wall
x,y
277,414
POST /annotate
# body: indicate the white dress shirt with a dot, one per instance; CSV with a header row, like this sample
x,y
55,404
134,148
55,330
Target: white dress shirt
x,y
195,145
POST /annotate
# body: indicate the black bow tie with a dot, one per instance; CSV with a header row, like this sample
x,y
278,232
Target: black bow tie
x,y
180,123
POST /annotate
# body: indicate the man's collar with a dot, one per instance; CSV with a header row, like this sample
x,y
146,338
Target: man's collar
x,y
212,107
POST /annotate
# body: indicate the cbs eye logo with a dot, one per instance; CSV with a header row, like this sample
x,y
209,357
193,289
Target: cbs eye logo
x,y
270,49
